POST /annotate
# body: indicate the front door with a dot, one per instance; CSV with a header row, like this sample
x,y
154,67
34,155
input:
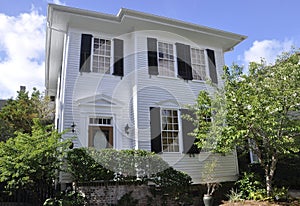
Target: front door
x,y
100,137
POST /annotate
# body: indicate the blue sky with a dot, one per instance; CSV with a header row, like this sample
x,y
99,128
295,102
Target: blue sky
x,y
272,26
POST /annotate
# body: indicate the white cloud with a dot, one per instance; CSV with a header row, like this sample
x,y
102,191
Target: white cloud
x,y
22,49
267,49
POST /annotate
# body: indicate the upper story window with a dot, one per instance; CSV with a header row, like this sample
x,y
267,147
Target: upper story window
x,y
96,55
101,55
191,62
165,59
198,64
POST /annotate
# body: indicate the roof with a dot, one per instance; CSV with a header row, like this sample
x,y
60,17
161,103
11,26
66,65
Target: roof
x,y
61,18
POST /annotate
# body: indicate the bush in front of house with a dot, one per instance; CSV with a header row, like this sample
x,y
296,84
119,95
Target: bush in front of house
x,y
88,164
174,184
70,198
84,168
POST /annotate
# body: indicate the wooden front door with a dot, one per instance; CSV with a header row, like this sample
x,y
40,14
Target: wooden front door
x,y
101,137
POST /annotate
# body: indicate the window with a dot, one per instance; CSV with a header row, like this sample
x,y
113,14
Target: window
x,y
100,121
198,64
96,54
253,156
169,130
100,133
101,56
165,59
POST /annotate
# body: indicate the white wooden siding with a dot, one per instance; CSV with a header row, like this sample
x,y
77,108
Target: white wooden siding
x,y
226,169
81,85
132,96
158,91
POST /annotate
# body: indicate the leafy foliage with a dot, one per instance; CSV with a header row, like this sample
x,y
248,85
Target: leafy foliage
x,y
173,183
70,198
208,176
171,178
88,164
251,187
83,167
130,166
235,196
18,114
31,161
127,200
261,107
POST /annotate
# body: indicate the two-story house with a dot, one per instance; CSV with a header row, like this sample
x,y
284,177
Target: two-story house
x,y
123,81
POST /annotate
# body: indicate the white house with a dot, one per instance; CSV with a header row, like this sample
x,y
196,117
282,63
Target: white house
x,y
123,81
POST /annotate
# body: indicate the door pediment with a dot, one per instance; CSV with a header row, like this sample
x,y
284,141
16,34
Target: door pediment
x,y
99,101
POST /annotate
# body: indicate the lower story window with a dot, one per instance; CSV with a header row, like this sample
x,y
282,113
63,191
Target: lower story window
x,y
100,133
169,130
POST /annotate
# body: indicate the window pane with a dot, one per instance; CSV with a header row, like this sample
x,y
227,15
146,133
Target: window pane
x,y
170,141
165,59
198,64
101,55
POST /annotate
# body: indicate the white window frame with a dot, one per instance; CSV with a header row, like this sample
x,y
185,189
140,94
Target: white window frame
x,y
202,63
100,55
161,70
179,139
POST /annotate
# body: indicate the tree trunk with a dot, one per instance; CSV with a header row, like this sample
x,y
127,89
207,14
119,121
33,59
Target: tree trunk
x,y
269,173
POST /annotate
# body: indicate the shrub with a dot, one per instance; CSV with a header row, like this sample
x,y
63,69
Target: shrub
x,y
83,167
175,184
234,195
127,200
251,187
280,194
70,198
133,166
87,164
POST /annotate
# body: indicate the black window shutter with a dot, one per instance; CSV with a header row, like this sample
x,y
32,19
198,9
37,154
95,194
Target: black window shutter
x,y
155,129
184,61
118,57
188,141
152,56
212,66
85,53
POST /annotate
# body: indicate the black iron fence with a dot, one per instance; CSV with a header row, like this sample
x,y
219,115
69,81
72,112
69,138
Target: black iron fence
x,y
21,197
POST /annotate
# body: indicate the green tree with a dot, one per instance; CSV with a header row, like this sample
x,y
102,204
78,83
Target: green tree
x,y
18,114
261,107
32,161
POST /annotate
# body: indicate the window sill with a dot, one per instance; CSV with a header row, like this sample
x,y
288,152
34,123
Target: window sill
x,y
176,78
167,77
171,152
199,81
96,74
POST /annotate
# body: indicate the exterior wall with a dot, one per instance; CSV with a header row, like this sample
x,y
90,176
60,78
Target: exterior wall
x,y
127,100
226,166
172,92
79,86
